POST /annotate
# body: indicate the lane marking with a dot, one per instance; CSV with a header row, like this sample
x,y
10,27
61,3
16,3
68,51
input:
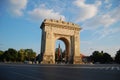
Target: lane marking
x,y
107,68
66,66
118,68
102,68
112,68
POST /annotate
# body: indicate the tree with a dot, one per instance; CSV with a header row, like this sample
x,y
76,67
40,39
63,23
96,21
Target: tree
x,y
101,57
107,58
21,55
63,54
1,53
13,54
39,58
10,55
56,54
96,56
117,57
29,54
6,56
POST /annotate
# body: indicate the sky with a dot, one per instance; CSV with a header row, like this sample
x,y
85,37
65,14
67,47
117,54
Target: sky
x,y
20,22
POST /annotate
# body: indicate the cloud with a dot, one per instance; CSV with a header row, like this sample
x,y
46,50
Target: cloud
x,y
115,13
109,49
106,1
87,11
86,42
103,20
108,6
17,7
43,13
102,23
107,32
98,3
88,50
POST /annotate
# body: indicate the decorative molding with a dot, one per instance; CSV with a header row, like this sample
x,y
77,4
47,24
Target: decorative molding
x,y
60,35
60,24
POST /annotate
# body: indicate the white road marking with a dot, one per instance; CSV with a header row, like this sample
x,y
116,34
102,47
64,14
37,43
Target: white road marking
x,y
118,68
112,68
70,67
107,68
102,68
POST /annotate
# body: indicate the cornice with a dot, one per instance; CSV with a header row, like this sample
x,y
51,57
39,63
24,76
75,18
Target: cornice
x,y
60,24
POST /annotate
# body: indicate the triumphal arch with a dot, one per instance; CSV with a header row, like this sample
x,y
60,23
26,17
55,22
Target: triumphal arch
x,y
68,32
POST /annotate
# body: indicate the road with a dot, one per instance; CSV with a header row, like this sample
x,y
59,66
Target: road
x,y
59,72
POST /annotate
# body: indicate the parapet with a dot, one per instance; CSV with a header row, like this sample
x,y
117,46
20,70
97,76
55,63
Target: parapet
x,y
59,23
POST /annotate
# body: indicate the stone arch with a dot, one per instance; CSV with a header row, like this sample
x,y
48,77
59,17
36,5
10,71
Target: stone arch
x,y
67,45
65,31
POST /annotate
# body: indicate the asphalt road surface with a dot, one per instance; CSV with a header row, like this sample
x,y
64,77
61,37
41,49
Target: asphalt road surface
x,y
59,72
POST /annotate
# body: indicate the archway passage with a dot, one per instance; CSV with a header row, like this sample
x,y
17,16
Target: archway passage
x,y
61,51
53,30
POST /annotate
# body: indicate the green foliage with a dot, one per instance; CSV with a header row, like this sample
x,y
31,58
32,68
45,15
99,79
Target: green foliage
x,y
39,58
56,53
10,55
29,54
117,57
21,55
62,57
1,53
107,58
101,57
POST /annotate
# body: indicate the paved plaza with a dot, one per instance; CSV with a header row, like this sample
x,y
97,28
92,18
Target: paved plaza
x,y
59,72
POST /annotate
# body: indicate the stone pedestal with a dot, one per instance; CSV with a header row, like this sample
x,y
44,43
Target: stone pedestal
x,y
77,60
48,59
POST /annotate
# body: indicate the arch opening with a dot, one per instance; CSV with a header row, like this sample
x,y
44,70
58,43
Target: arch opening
x,y
62,51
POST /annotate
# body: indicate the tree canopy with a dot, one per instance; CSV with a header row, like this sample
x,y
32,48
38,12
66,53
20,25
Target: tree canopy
x,y
101,57
117,57
20,55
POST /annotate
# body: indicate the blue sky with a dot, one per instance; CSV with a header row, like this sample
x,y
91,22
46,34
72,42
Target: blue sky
x,y
20,22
